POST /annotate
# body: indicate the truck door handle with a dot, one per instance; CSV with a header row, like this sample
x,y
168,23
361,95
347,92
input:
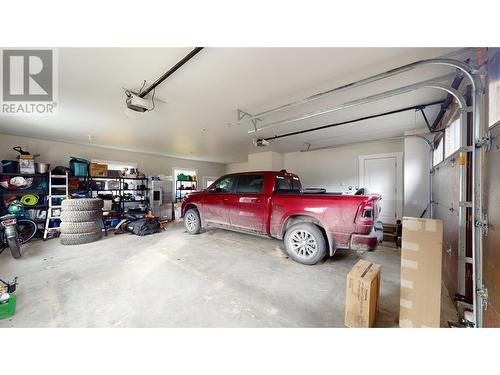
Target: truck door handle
x,y
225,199
249,200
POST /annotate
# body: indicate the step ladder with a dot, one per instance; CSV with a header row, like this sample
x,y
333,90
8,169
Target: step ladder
x,y
59,188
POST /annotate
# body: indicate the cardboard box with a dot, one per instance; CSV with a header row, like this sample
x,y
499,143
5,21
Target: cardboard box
x,y
26,164
421,261
98,170
362,291
107,204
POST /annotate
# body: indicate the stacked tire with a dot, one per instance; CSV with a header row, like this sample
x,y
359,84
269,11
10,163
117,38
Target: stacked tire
x,y
81,221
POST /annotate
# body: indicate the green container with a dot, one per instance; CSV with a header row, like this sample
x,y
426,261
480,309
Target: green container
x,y
7,305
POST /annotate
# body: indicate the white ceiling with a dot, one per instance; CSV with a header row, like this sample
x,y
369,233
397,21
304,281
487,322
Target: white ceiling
x,y
202,98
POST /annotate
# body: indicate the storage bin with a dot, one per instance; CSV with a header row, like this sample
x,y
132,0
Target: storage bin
x,y
7,305
112,185
26,164
79,167
98,170
10,166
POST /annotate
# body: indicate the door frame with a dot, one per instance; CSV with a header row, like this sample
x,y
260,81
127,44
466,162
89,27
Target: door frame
x,y
399,176
174,178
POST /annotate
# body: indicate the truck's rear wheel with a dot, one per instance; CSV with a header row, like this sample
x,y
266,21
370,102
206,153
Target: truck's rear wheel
x,y
305,243
192,221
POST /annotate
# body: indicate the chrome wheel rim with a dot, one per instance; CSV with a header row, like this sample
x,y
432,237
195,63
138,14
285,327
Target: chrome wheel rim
x,y
303,244
191,222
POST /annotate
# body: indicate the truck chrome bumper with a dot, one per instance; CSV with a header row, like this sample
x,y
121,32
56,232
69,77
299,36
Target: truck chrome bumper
x,y
363,242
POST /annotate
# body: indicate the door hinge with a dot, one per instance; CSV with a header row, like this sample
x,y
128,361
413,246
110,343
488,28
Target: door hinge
x,y
485,141
483,294
483,224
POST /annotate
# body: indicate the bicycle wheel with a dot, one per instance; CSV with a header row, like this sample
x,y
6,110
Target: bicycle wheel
x,y
26,229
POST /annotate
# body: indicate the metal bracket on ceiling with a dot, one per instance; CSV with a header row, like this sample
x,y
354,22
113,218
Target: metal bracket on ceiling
x,y
243,114
429,126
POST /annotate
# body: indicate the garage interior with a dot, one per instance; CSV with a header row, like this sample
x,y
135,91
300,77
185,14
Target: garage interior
x,y
418,126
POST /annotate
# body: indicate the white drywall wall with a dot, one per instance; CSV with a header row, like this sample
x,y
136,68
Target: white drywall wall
x,y
338,168
237,167
277,162
265,161
416,176
58,153
335,169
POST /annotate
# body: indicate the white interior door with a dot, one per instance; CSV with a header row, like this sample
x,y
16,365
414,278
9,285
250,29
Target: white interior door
x,y
380,174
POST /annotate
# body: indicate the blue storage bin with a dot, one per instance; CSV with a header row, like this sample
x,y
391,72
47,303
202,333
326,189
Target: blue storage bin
x,y
79,167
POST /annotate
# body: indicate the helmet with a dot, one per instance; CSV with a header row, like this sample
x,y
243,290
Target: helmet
x,y
60,170
15,207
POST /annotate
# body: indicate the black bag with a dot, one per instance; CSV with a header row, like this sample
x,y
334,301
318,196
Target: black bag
x,y
144,226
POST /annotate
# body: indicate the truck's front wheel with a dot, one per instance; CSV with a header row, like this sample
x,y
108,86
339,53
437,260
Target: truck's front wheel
x,y
192,221
305,243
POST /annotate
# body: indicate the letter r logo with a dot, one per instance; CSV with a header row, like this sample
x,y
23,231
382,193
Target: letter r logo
x,y
27,75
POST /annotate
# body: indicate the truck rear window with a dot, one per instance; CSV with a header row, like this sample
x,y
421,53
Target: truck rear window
x,y
287,185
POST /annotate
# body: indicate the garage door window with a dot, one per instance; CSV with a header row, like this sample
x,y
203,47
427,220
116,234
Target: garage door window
x,y
248,184
452,138
438,153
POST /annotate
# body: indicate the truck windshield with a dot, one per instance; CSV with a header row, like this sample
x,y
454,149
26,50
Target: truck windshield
x,y
287,185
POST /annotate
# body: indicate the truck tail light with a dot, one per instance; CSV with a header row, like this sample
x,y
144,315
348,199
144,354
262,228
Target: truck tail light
x,y
365,214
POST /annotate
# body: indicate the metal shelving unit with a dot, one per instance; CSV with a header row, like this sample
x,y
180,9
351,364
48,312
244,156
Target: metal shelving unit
x,y
41,205
180,191
120,191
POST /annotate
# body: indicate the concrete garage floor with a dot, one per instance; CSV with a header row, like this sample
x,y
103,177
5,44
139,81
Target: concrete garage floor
x,y
172,279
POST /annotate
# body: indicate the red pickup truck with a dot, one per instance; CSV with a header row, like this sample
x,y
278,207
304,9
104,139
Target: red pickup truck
x,y
273,204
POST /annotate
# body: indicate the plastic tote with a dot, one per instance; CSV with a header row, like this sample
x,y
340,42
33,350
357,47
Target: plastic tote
x,y
10,166
7,305
7,298
79,167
